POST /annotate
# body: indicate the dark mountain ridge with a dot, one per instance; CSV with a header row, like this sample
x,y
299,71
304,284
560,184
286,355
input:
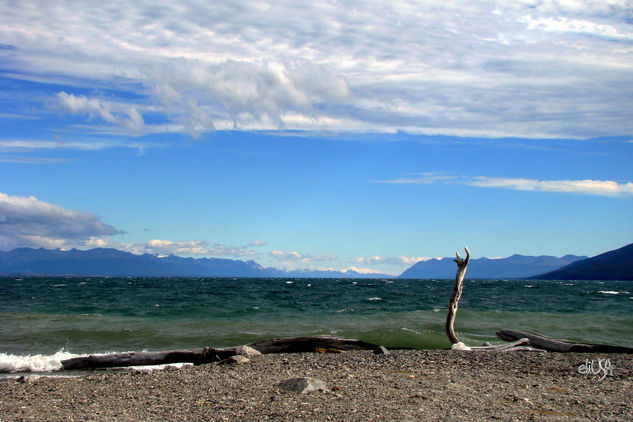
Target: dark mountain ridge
x,y
114,262
613,265
515,266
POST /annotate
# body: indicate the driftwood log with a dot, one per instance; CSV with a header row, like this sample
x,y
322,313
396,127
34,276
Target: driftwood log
x,y
520,344
195,356
521,340
457,294
209,355
310,344
539,341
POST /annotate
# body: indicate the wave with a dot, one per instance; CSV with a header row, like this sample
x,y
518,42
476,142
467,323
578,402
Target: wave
x,y
151,368
33,363
11,364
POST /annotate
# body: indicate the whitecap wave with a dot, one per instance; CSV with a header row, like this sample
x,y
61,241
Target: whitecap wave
x,y
374,299
148,369
609,292
33,363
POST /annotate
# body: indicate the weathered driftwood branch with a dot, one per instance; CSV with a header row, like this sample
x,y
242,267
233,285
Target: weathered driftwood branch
x,y
457,294
196,356
539,341
310,344
521,341
522,344
208,354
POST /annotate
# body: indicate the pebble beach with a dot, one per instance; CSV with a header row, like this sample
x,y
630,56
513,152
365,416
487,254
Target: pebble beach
x,y
404,385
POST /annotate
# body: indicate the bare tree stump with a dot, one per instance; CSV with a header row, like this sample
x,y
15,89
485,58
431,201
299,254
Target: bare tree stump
x,y
457,294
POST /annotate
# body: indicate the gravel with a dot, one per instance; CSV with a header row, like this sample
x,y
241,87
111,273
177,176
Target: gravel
x,y
403,386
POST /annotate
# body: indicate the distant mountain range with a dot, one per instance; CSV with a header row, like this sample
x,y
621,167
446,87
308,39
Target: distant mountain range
x,y
612,265
515,266
113,262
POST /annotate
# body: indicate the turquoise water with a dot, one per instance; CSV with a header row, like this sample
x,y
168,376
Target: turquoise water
x,y
94,314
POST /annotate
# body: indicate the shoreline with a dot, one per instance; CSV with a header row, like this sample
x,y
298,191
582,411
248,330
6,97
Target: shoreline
x,y
403,385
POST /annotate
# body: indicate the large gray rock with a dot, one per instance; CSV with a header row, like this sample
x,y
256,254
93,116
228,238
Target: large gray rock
x,y
247,351
302,385
28,378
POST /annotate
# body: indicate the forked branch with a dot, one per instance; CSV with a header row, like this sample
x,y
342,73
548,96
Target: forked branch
x,y
457,294
521,344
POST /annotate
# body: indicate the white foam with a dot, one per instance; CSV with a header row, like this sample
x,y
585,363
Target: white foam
x,y
609,292
33,363
374,299
146,369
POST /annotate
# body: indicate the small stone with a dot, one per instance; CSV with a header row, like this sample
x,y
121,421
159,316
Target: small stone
x,y
381,350
486,344
238,360
302,385
28,378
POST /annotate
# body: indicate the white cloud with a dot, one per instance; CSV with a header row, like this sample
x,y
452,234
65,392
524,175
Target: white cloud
x,y
166,247
26,145
397,261
528,68
129,118
424,178
197,94
32,160
585,187
295,260
29,222
562,24
296,256
193,248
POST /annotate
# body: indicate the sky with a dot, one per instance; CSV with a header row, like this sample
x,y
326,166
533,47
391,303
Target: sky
x,y
317,135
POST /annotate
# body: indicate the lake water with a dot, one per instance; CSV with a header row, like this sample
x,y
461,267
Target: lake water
x,y
44,319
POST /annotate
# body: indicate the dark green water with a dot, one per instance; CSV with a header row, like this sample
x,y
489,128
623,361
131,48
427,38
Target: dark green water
x,y
92,314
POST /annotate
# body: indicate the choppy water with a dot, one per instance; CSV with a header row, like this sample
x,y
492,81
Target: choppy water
x,y
46,319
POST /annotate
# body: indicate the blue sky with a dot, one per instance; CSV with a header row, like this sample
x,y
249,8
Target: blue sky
x,y
359,136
